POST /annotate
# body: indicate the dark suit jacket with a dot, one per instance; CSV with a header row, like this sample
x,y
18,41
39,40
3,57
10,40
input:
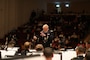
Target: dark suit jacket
x,y
78,58
46,43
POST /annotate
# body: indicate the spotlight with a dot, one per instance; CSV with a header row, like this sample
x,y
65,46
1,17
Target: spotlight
x,y
67,5
57,5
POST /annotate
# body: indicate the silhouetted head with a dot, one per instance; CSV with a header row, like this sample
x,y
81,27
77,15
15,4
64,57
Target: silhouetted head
x,y
48,52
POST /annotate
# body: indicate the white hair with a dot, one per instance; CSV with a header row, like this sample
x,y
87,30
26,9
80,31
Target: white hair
x,y
45,25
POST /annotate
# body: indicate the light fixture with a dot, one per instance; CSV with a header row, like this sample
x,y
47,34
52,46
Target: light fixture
x,y
67,5
57,5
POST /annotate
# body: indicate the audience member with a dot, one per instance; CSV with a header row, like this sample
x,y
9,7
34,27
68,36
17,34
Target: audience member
x,y
48,53
32,16
56,43
80,51
87,43
74,35
74,39
67,44
62,38
81,43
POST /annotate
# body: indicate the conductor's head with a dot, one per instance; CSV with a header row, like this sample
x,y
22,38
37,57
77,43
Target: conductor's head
x,y
45,27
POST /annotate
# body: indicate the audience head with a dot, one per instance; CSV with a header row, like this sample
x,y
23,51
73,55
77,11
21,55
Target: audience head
x,y
87,41
39,47
80,50
48,52
87,44
45,27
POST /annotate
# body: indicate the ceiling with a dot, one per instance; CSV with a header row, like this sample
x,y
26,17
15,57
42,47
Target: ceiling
x,y
63,1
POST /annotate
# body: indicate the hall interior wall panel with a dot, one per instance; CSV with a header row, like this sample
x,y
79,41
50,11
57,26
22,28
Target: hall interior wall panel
x,y
12,22
50,7
14,13
7,16
2,17
30,5
19,6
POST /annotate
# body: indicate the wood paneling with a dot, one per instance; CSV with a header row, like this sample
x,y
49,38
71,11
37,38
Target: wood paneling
x,y
14,13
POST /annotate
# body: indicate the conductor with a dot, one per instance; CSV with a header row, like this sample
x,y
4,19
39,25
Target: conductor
x,y
46,36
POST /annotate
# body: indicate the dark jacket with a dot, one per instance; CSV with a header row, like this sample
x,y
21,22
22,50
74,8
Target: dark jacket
x,y
78,58
49,37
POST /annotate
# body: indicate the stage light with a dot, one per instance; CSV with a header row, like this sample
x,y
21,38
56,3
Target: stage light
x,y
67,5
57,5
